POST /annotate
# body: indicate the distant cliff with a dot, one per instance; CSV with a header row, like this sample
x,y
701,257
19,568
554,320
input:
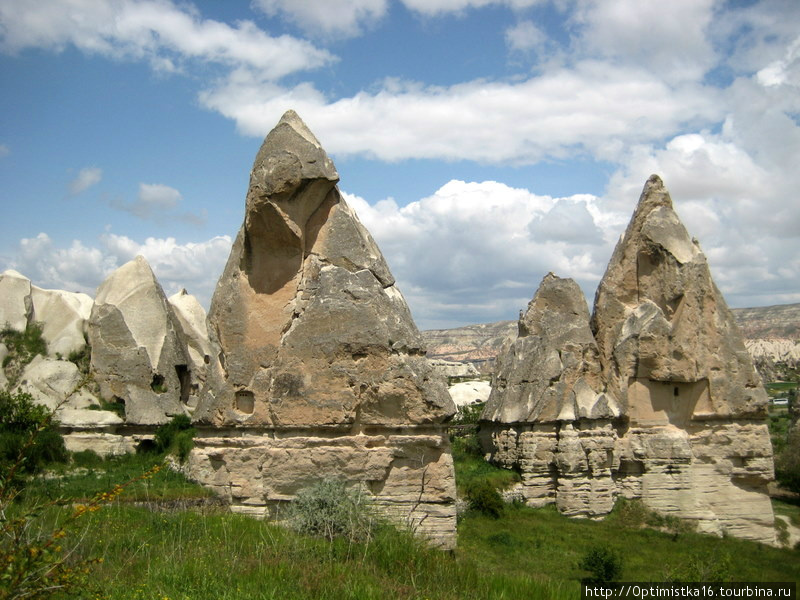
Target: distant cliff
x,y
772,335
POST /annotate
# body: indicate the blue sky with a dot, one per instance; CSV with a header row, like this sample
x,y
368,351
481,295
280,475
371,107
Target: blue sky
x,y
482,142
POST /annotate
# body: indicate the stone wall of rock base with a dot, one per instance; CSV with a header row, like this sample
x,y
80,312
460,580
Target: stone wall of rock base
x,y
408,472
714,474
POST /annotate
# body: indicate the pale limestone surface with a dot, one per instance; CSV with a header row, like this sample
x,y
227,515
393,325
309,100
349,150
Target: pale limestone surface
x,y
683,425
15,300
451,368
192,319
54,383
316,359
64,317
470,392
139,354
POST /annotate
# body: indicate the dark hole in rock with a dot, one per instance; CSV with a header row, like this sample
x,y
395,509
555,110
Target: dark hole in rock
x,y
185,379
145,446
158,385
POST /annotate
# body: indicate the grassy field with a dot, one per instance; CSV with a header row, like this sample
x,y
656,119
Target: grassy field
x,y
160,551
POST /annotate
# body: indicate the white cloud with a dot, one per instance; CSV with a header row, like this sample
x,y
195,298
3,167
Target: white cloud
x,y
156,201
4,150
469,248
195,266
526,36
594,108
86,178
159,31
333,17
441,7
670,41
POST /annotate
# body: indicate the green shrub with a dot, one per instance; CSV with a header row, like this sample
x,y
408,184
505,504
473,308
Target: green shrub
x,y
470,414
22,346
87,459
27,432
330,510
82,358
484,498
175,436
604,564
787,463
711,568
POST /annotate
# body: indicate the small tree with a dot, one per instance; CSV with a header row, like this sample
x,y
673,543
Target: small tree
x,y
604,564
787,463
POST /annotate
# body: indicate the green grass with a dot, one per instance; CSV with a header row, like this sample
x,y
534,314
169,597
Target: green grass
x,y
527,553
788,508
81,483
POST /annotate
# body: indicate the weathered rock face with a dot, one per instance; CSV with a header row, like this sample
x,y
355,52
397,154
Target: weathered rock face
x,y
674,412
15,300
549,414
697,441
316,353
64,317
139,354
192,320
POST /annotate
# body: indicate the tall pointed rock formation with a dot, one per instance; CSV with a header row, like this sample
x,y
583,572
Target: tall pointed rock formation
x,y
697,444
657,400
549,415
315,354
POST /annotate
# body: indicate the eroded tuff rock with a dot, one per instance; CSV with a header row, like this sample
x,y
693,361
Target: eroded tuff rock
x,y
697,442
549,414
15,300
317,356
139,355
192,319
64,317
682,420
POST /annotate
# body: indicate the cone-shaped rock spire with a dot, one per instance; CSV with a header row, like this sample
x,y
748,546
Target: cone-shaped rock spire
x,y
310,334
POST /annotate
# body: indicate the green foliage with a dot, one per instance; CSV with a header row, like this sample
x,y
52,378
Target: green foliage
x,y
29,439
787,462
471,466
635,514
470,414
175,436
115,407
716,567
329,509
604,564
82,358
22,348
484,498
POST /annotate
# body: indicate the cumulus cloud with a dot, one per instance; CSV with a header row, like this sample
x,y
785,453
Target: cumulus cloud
x,y
333,17
157,201
526,37
673,43
82,268
86,178
159,31
594,109
441,7
477,246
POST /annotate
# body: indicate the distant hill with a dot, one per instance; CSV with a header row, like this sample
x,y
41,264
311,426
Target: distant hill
x,y
480,344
